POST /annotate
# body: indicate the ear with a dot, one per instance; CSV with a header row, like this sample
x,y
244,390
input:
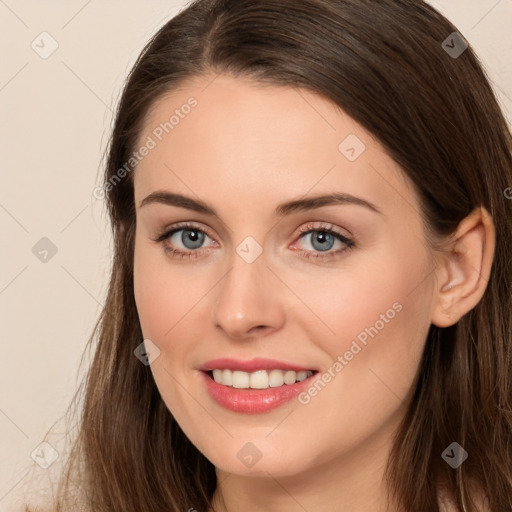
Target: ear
x,y
463,268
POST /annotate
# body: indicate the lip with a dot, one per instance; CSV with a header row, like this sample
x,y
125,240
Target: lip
x,y
254,401
258,363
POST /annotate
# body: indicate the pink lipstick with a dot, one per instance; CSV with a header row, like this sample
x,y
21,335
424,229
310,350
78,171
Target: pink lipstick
x,y
236,380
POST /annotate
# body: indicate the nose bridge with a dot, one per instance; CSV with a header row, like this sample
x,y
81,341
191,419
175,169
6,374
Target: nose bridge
x,y
244,297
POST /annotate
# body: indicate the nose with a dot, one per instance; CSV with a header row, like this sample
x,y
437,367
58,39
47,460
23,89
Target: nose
x,y
248,301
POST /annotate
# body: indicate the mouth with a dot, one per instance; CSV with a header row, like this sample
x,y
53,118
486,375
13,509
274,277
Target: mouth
x,y
257,391
260,379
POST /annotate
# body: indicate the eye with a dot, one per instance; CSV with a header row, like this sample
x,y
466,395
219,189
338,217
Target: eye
x,y
322,238
192,238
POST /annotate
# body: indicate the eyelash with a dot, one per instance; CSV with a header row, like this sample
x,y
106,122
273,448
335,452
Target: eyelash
x,y
310,228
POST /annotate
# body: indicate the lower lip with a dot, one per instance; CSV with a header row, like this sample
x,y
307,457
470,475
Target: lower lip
x,y
254,401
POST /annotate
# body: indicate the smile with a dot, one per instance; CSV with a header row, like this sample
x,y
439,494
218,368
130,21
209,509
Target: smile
x,y
261,379
273,391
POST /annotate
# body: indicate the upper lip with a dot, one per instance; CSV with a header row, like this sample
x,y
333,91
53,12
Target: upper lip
x,y
253,365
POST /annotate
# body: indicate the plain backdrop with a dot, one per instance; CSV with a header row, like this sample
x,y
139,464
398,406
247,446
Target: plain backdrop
x,y
56,115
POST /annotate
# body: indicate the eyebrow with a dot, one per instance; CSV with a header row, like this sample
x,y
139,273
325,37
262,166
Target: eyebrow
x,y
295,205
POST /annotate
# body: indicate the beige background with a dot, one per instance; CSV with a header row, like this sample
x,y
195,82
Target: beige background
x,y
56,116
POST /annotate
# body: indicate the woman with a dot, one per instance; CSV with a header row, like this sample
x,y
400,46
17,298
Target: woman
x,y
310,301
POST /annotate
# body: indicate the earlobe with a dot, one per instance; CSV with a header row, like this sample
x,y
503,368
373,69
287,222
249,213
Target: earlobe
x,y
463,269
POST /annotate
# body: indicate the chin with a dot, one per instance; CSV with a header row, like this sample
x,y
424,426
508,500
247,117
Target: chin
x,y
258,462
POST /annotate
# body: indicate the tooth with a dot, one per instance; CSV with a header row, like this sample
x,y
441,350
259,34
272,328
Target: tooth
x,y
290,377
240,379
258,380
227,378
275,378
302,375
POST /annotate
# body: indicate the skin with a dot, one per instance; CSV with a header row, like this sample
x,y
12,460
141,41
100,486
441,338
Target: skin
x,y
244,149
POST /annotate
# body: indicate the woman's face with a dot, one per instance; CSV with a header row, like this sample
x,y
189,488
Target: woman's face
x,y
260,280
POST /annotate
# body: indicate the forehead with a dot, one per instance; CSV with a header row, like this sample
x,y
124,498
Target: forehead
x,y
231,139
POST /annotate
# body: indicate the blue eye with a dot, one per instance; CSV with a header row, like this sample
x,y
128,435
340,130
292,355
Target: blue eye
x,y
195,236
323,240
189,233
192,239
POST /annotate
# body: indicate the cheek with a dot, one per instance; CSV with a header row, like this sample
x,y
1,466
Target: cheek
x,y
158,296
377,314
368,293
164,300
397,338
380,318
166,295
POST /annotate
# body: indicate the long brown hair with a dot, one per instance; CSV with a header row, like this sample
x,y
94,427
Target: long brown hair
x,y
384,63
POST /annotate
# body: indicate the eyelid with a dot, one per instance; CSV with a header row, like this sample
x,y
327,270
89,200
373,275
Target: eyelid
x,y
169,231
321,226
